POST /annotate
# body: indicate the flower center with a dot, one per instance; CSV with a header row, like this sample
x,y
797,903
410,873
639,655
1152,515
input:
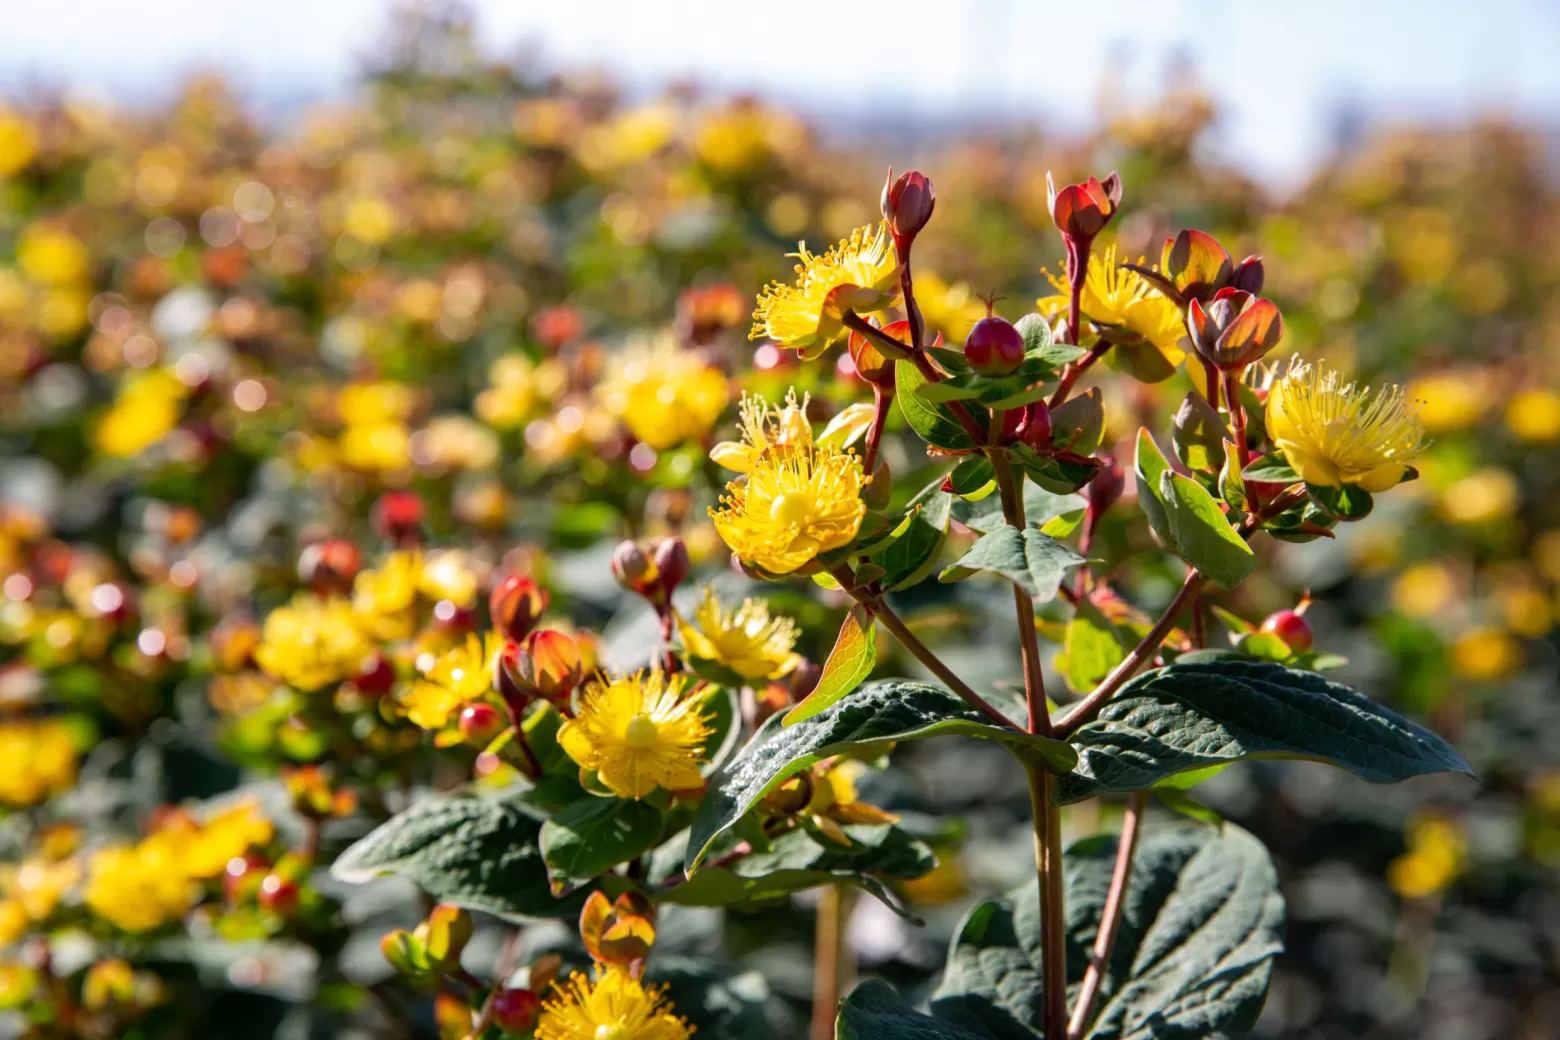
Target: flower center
x,y
612,1032
792,507
641,732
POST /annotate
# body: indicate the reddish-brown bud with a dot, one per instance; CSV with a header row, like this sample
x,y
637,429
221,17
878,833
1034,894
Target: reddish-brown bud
x,y
278,895
907,204
515,1011
634,568
479,723
1248,275
994,346
1081,211
672,564
1037,430
1195,265
517,604
376,676
1292,627
870,362
549,665
1235,329
1102,492
398,516
329,566
445,934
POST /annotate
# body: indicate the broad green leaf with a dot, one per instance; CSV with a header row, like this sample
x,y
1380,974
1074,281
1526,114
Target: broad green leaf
x,y
1149,468
1040,506
1036,332
847,667
1078,423
719,1000
913,552
1057,473
594,835
1141,360
1346,503
933,422
1216,708
1272,468
719,705
1091,648
1201,925
1034,562
1232,488
1199,434
958,388
1201,533
972,476
877,713
477,852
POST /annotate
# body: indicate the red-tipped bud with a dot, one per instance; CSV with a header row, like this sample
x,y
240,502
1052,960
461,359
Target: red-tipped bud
x,y
870,362
549,665
1102,492
1196,265
479,723
1292,627
672,564
994,346
517,604
398,516
376,676
329,566
278,895
907,204
515,1011
1248,275
1234,329
1037,431
1081,211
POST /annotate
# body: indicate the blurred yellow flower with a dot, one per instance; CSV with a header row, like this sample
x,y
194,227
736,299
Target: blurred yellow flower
x,y
1424,590
18,142
613,1006
1436,851
1486,654
455,442
149,406
383,597
1450,401
664,395
747,640
1335,433
50,255
311,642
1534,416
1481,497
1115,296
227,835
138,888
370,218
34,887
40,760
516,388
376,446
459,676
859,274
447,574
950,309
639,733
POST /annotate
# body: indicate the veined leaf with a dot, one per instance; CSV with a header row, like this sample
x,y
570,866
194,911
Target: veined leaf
x,y
593,835
1202,534
933,422
847,667
913,552
1040,507
1034,562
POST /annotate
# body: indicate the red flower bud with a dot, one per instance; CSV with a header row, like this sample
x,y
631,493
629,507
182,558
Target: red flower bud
x,y
375,677
1235,329
1037,431
907,204
398,516
870,363
479,723
1292,627
515,1011
548,665
517,604
1196,265
1081,211
994,346
278,895
634,569
672,564
329,566
1102,492
1248,275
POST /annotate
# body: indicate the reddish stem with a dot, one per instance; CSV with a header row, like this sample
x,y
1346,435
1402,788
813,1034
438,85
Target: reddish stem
x,y
880,403
1110,917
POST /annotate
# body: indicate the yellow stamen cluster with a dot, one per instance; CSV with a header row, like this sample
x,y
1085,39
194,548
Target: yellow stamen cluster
x,y
638,734
747,640
1114,295
664,395
859,274
613,1006
462,674
763,427
1335,433
792,506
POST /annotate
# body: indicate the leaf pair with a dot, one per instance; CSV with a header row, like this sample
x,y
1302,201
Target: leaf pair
x,y
1188,520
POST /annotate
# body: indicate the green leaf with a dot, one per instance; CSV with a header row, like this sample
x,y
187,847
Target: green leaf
x,y
1199,434
594,835
913,552
1231,487
1271,468
949,360
957,388
1141,360
1034,562
1149,468
972,476
877,713
1055,473
933,422
1040,506
1078,423
1036,332
1346,503
847,667
477,852
1201,533
719,705
1091,648
1218,708
1201,924
999,401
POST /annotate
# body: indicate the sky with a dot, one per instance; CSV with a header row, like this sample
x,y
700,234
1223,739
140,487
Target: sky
x,y
1282,71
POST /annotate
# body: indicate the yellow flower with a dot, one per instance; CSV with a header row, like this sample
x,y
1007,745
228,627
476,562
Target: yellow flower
x,y
1534,416
40,760
1335,433
383,598
18,142
763,427
149,406
311,642
950,309
370,218
1424,589
447,575
228,834
638,733
859,274
664,395
1481,497
1486,654
460,675
798,499
34,887
141,887
1451,401
50,255
1436,851
1113,295
747,640
613,1006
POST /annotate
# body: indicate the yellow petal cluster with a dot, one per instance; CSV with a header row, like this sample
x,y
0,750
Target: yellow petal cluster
x,y
39,759
1335,432
612,1006
459,676
147,409
312,642
638,733
747,640
664,394
859,274
384,598
1114,295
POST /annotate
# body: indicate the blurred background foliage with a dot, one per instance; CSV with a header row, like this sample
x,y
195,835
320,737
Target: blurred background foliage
x,y
221,342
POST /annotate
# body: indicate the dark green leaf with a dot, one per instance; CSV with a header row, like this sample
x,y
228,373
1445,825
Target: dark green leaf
x,y
477,852
1040,506
848,665
1219,708
957,388
1272,468
718,705
1346,503
1078,423
873,1011
1057,473
594,835
1199,434
933,422
913,552
972,475
876,713
1034,562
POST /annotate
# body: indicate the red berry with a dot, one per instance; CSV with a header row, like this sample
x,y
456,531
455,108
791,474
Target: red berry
x,y
480,723
1291,627
515,1011
278,895
398,516
994,346
376,676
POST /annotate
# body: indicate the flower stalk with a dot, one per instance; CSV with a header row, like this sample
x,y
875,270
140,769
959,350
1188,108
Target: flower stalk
x,y
1110,917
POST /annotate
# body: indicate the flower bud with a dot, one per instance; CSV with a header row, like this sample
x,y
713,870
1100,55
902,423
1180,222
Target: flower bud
x,y
1037,430
403,952
278,895
444,934
907,204
398,516
479,723
634,569
548,666
232,642
1196,266
672,564
1248,275
1102,492
870,363
1081,211
376,676
1235,329
329,566
515,1011
1292,627
517,604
